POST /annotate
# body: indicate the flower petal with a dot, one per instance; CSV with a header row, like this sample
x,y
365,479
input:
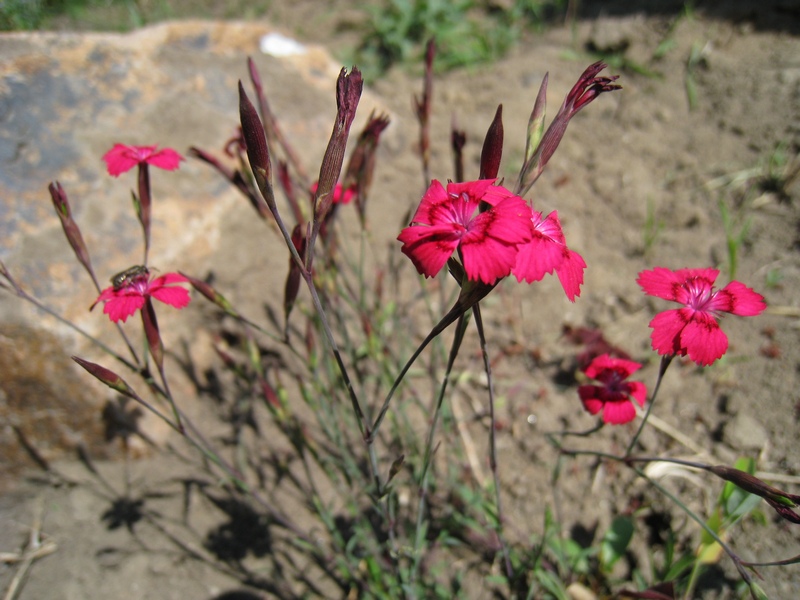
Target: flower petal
x,y
120,159
434,196
489,247
547,252
703,339
510,220
174,296
570,273
671,285
667,327
740,300
476,190
122,306
428,247
487,259
168,279
618,413
536,259
588,395
605,362
638,391
166,158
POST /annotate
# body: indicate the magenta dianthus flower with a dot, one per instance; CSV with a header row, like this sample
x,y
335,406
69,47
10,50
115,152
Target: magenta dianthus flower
x,y
449,220
694,329
122,158
615,396
547,252
131,289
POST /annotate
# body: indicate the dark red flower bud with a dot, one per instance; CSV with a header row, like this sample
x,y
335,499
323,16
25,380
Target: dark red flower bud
x,y
358,175
292,286
458,139
106,376
257,149
492,151
782,502
348,93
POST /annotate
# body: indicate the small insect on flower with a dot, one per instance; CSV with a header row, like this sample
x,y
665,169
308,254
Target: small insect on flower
x,y
130,290
127,276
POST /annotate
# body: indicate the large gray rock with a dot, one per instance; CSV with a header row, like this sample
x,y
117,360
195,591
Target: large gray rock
x,y
65,99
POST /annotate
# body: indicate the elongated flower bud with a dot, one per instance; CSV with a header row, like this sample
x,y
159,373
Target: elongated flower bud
x,y
458,139
235,178
782,502
213,295
257,149
144,205
587,88
348,94
71,229
536,120
361,166
292,286
492,151
107,376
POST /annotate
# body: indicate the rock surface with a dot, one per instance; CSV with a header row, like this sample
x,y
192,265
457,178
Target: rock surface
x,y
65,99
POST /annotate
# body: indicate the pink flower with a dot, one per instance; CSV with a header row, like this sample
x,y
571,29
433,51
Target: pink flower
x,y
694,329
452,219
340,195
547,252
615,396
122,158
131,288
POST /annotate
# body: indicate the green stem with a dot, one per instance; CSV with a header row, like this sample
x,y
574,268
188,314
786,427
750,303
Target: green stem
x,y
455,313
22,294
665,362
493,443
461,328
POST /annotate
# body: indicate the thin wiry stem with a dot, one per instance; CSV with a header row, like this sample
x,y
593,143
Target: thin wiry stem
x,y
456,312
20,293
493,443
307,276
665,362
461,328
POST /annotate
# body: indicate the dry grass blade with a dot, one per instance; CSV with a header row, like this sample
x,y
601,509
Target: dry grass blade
x,y
35,549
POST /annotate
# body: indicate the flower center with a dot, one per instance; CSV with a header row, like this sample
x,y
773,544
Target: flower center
x,y
614,382
700,294
462,207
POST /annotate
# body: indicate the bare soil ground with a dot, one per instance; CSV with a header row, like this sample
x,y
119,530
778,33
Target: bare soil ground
x,y
641,161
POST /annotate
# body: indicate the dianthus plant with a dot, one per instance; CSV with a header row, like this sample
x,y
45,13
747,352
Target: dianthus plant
x,y
478,230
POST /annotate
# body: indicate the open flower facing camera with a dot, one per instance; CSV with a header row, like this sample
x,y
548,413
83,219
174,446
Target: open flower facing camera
x,y
694,329
615,395
452,220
